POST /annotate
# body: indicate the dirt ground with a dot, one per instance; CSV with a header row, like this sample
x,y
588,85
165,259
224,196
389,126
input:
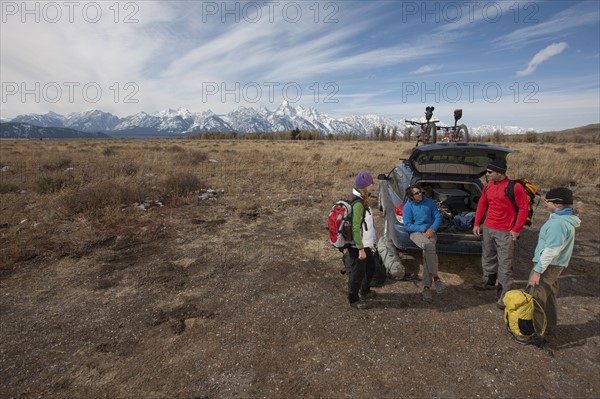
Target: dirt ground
x,y
223,302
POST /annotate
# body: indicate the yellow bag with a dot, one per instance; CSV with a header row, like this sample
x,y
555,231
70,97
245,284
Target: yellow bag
x,y
518,315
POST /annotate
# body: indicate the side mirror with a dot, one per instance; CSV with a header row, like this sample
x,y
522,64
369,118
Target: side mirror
x,y
381,176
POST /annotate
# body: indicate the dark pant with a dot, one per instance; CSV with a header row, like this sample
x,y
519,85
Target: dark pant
x,y
545,294
360,273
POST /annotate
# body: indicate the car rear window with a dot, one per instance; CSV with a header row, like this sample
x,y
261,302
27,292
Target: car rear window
x,y
451,164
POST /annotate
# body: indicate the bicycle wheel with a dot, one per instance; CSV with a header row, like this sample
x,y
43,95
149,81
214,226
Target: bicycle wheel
x,y
462,134
431,133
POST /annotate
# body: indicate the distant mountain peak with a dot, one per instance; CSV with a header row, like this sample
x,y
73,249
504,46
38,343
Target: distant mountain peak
x,y
169,121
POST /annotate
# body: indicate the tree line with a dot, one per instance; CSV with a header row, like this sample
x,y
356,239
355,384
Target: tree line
x,y
393,133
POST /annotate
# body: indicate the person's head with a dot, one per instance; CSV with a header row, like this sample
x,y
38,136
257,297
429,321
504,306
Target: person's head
x,y
364,183
559,198
414,193
496,169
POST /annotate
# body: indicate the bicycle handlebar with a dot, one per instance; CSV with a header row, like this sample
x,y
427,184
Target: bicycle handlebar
x,y
419,123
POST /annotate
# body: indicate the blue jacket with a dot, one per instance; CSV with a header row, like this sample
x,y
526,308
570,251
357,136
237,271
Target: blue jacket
x,y
418,217
556,240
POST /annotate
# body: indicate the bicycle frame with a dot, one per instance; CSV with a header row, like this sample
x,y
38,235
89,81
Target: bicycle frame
x,y
455,134
428,132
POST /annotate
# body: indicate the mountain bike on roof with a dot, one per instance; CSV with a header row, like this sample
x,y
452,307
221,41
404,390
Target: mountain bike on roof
x,y
456,133
428,133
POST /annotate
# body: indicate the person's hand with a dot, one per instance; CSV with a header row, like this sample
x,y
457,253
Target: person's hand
x,y
429,233
362,255
476,231
514,235
534,279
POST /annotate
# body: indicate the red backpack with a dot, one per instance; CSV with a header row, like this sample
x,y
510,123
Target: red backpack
x,y
339,224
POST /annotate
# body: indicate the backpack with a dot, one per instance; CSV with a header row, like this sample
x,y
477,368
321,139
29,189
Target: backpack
x,y
339,223
531,192
390,258
518,316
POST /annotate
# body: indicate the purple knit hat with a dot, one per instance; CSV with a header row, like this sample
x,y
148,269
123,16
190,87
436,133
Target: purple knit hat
x,y
363,179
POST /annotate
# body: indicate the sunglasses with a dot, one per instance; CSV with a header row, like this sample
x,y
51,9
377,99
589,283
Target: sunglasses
x,y
489,171
417,193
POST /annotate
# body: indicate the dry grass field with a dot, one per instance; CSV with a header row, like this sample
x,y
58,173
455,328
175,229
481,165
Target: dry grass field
x,y
200,269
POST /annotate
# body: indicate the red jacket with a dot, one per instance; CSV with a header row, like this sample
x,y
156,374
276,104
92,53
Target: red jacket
x,y
501,213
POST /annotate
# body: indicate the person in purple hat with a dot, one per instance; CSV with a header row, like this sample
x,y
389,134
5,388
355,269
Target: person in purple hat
x,y
360,257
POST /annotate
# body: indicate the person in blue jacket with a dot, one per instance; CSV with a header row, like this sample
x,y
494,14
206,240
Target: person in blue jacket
x,y
422,219
552,255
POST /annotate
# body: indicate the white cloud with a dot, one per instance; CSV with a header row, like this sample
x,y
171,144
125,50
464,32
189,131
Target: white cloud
x,y
428,68
542,56
580,15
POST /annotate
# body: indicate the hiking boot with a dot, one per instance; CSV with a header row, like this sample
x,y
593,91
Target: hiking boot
x,y
426,295
369,295
360,305
439,286
484,286
523,339
500,304
499,291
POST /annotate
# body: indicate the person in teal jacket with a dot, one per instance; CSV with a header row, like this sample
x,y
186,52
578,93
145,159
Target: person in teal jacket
x,y
422,219
552,255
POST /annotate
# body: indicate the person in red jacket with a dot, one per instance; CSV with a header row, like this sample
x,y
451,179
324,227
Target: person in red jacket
x,y
500,230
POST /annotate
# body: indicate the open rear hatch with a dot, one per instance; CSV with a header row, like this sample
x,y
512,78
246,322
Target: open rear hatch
x,y
446,160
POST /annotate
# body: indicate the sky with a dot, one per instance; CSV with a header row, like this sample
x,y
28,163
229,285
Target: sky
x,y
532,64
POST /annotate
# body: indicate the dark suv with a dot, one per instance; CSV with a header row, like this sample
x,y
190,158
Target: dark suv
x,y
450,174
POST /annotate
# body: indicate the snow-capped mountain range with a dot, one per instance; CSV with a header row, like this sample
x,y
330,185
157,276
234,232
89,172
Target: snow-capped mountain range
x,y
243,120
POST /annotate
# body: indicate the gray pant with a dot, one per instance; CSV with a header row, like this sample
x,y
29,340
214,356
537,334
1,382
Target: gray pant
x,y
497,254
430,258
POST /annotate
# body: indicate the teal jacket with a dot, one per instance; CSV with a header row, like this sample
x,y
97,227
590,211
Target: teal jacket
x,y
556,240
